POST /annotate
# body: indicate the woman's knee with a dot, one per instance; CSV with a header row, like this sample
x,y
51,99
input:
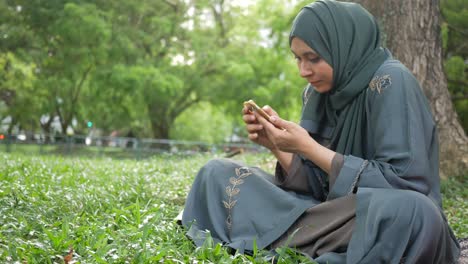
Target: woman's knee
x,y
413,208
215,168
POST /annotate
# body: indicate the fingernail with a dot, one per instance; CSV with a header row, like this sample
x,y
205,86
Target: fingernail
x,y
273,119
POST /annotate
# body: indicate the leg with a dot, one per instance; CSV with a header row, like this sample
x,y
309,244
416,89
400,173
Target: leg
x,y
239,206
399,226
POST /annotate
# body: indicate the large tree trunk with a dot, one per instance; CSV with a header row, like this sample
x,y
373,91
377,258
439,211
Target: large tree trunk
x,y
412,32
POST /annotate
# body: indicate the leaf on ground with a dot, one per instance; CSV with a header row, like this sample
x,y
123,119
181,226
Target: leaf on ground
x,y
69,257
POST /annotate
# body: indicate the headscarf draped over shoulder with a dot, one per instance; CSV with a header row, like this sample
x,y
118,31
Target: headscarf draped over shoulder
x,y
347,37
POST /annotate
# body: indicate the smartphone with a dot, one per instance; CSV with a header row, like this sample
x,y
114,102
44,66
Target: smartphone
x,y
253,107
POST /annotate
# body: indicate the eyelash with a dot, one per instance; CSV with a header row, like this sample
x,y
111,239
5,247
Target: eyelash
x,y
314,60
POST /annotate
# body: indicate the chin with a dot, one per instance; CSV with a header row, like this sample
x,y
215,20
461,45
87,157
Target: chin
x,y
321,89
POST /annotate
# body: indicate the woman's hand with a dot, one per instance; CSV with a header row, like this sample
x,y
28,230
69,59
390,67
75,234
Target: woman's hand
x,y
255,129
285,135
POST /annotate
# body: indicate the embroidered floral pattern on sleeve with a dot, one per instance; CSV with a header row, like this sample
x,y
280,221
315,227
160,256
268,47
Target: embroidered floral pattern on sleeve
x,y
380,83
232,191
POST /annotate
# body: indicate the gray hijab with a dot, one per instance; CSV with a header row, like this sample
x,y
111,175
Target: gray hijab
x,y
347,37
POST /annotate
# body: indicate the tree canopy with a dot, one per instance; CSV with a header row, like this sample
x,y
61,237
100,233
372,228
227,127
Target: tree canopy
x,y
163,69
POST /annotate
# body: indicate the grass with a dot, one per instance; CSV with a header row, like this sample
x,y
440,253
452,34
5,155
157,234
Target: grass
x,y
122,211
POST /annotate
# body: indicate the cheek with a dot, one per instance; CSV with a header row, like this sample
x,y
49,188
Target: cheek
x,y
327,76
327,73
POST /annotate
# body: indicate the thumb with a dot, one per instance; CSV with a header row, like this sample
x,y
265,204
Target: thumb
x,y
279,123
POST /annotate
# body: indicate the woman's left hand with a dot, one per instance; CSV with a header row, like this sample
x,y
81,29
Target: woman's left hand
x,y
285,135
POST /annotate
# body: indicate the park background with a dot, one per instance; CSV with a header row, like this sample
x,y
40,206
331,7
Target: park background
x,y
171,76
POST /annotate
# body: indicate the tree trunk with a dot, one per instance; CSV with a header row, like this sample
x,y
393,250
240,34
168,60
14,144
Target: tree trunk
x,y
160,124
411,30
160,131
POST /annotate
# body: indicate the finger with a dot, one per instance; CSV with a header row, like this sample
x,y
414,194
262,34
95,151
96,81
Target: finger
x,y
253,136
261,119
249,118
265,123
281,123
253,128
270,110
245,110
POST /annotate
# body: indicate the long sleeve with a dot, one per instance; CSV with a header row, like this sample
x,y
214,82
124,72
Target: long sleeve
x,y
401,140
303,177
295,178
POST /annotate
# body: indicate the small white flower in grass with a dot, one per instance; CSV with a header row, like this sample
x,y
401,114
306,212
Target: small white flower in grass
x,y
38,244
134,245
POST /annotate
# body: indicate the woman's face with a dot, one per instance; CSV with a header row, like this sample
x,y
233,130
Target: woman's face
x,y
312,67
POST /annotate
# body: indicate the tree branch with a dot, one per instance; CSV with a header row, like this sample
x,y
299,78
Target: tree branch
x,y
76,95
218,15
178,110
80,84
171,4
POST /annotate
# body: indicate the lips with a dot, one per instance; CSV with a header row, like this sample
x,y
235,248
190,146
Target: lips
x,y
314,83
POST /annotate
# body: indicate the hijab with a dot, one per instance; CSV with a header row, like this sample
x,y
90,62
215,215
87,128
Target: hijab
x,y
347,37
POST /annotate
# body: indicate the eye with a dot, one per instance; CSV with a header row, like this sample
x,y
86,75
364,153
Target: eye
x,y
315,59
297,58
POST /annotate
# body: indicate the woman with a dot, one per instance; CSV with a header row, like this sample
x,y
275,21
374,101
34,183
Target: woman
x,y
357,181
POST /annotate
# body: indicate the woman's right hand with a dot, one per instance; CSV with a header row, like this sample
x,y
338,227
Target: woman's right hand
x,y
255,129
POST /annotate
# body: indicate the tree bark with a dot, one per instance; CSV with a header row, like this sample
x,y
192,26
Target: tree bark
x,y
411,30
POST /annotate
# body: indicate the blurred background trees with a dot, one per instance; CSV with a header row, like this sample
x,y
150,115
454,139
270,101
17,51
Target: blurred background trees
x,y
455,44
175,69
138,66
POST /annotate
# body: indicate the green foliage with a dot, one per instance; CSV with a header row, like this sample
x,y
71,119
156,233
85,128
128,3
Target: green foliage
x,y
138,66
107,214
455,13
119,211
203,122
462,111
456,68
16,86
455,195
455,43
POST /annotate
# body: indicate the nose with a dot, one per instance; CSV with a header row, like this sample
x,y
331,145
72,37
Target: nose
x,y
304,69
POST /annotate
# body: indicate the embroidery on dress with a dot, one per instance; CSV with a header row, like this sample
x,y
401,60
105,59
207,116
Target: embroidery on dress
x,y
353,188
232,191
380,83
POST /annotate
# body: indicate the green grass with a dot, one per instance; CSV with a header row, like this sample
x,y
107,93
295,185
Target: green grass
x,y
455,197
121,211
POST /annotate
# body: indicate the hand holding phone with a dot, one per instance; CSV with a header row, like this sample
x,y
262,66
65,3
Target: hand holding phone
x,y
253,107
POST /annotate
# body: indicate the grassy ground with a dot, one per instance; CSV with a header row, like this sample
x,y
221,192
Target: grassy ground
x,y
122,211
